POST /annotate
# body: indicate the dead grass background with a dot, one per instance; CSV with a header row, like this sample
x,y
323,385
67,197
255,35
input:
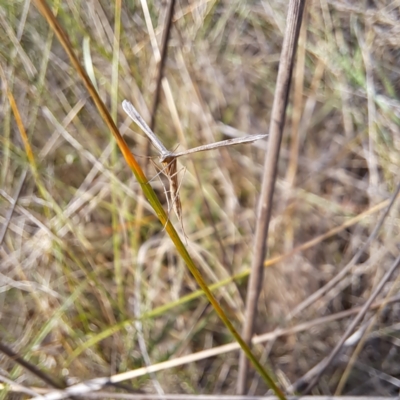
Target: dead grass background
x,y
80,264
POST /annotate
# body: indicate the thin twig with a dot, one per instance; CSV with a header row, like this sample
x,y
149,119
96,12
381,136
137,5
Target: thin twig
x,y
30,367
295,13
161,65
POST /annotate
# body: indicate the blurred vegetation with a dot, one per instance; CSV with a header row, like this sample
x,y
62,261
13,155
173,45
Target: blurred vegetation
x,y
91,284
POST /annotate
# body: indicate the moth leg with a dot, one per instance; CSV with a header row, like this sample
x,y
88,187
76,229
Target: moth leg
x,y
175,198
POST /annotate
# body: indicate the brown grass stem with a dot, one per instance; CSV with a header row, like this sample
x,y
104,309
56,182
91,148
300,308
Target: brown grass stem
x,y
293,23
30,367
161,65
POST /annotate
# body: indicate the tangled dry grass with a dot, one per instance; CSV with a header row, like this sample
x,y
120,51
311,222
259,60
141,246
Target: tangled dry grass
x,y
90,283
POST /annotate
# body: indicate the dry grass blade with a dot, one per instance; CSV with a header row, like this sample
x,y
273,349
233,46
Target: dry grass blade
x,y
161,65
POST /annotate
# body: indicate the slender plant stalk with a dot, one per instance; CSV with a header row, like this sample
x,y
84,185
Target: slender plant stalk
x,y
114,159
161,65
149,192
31,367
293,23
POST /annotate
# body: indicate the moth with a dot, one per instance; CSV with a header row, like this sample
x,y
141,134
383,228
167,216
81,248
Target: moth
x,y
168,158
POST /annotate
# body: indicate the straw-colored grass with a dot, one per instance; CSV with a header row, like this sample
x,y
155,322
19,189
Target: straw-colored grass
x,y
92,285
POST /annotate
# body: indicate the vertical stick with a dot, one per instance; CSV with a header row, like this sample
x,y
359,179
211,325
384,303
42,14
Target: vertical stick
x,y
161,65
295,12
164,51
